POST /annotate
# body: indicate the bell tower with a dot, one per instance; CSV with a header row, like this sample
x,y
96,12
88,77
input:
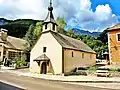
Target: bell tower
x,y
49,22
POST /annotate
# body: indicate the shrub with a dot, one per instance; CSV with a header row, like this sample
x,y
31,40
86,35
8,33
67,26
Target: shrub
x,y
20,61
0,63
74,70
118,70
92,69
76,73
23,58
113,69
82,68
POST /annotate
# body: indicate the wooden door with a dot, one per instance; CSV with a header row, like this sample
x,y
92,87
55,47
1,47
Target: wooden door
x,y
44,68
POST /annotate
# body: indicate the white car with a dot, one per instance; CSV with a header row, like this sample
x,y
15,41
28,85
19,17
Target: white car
x,y
103,73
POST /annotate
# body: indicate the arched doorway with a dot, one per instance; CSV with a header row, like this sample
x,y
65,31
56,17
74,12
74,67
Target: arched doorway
x,y
44,68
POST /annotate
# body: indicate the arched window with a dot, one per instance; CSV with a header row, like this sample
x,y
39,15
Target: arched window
x,y
44,49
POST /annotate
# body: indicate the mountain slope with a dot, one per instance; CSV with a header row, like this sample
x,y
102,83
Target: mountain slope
x,y
16,28
83,32
19,27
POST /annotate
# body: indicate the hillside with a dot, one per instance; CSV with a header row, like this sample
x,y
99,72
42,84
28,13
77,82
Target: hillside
x,y
17,27
83,32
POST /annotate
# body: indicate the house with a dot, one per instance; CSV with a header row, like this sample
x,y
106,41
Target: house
x,y
10,47
56,53
114,44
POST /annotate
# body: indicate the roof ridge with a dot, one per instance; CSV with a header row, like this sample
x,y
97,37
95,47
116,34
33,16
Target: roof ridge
x,y
71,38
64,39
114,27
17,38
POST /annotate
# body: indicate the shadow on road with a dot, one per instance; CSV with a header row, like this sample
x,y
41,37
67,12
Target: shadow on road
x,y
4,86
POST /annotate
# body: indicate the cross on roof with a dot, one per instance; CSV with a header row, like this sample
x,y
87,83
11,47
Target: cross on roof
x,y
50,2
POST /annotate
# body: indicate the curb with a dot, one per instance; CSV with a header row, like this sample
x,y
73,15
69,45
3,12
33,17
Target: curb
x,y
58,80
72,81
91,81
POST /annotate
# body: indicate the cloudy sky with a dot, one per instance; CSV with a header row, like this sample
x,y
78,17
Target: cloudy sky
x,y
92,15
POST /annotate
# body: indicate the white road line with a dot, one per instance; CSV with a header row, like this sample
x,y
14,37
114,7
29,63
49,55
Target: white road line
x,y
12,84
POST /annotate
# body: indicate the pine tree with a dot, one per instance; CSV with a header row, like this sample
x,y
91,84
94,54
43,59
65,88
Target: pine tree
x,y
30,38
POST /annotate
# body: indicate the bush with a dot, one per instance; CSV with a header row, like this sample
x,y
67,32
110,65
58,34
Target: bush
x,y
92,69
20,61
74,70
82,68
76,73
23,58
113,69
0,63
118,70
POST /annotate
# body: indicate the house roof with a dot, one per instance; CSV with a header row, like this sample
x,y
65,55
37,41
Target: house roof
x,y
14,43
115,27
71,43
43,57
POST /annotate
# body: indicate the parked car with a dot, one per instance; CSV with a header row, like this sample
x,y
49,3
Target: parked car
x,y
103,73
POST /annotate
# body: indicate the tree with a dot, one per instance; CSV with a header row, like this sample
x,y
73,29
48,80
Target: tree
x,y
61,25
32,35
30,38
17,28
70,33
38,29
103,37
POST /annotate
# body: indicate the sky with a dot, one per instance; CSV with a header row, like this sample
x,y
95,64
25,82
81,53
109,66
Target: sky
x,y
91,15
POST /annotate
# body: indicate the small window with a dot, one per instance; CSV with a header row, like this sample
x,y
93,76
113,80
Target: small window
x,y
82,55
118,36
44,49
90,56
72,54
45,26
53,26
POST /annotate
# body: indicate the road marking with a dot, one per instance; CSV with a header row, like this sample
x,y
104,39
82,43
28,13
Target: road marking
x,y
12,84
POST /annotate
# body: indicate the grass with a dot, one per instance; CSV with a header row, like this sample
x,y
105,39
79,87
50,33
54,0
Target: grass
x,y
92,68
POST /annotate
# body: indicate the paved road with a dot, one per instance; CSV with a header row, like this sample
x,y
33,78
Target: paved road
x,y
4,86
15,82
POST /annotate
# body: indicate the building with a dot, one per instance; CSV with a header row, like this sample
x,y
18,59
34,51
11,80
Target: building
x,y
10,47
56,53
114,44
